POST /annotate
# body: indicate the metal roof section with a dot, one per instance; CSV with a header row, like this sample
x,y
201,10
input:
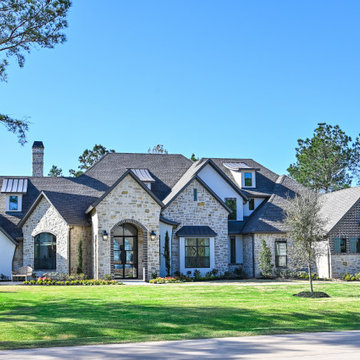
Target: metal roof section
x,y
14,186
237,166
196,231
143,174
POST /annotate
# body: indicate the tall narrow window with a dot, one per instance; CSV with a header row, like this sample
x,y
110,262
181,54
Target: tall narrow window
x,y
197,253
343,245
231,203
195,195
251,204
232,250
45,252
248,179
280,254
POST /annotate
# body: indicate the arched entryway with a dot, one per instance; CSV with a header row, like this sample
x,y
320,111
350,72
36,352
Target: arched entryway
x,y
125,245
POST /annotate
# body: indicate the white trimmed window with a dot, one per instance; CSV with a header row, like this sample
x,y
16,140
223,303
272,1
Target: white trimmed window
x,y
14,203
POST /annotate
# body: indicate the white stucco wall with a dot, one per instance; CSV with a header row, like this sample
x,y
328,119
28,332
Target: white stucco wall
x,y
257,202
7,250
222,188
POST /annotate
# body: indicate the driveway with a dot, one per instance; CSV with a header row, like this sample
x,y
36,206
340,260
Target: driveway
x,y
319,346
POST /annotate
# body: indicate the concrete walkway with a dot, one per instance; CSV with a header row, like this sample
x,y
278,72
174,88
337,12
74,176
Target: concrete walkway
x,y
319,346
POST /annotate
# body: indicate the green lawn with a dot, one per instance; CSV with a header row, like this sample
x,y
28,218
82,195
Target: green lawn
x,y
55,316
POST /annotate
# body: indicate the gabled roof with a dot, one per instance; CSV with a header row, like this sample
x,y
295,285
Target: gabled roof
x,y
193,172
34,206
269,216
265,178
106,193
337,204
165,169
174,195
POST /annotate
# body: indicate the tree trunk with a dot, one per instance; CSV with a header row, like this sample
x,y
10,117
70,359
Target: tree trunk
x,y
310,278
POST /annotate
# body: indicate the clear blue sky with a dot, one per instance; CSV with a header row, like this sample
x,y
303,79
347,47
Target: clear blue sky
x,y
218,78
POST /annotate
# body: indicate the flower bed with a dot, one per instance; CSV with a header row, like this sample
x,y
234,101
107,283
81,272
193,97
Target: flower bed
x,y
49,282
167,280
351,277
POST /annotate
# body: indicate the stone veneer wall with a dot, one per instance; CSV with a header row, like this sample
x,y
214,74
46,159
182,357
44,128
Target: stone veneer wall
x,y
347,228
81,233
45,218
248,255
128,200
206,211
270,239
18,256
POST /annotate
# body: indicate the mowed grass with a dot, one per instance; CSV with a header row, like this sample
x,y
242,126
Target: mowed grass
x,y
32,316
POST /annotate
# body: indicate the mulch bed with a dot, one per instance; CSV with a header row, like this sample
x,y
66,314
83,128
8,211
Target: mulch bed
x,y
315,294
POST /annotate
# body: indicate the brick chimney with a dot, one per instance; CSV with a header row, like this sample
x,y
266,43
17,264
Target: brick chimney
x,y
38,158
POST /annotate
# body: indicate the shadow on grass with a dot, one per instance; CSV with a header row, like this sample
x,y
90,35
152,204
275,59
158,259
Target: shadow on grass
x,y
80,321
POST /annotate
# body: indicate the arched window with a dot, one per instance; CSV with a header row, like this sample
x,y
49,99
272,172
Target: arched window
x,y
45,252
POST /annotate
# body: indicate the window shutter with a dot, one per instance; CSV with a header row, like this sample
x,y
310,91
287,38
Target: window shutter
x,y
353,242
337,242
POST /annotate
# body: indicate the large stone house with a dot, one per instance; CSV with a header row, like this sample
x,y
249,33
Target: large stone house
x,y
215,212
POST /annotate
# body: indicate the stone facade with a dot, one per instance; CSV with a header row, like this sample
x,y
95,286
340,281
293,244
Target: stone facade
x,y
128,200
205,211
248,255
18,256
83,234
270,240
45,218
347,228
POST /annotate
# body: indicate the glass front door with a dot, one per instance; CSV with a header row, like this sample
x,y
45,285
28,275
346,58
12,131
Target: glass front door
x,y
125,252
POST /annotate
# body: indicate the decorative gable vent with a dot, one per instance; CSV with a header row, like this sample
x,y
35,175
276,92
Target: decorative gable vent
x,y
145,176
14,186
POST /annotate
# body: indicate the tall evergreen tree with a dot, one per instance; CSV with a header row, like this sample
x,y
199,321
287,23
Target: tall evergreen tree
x,y
328,161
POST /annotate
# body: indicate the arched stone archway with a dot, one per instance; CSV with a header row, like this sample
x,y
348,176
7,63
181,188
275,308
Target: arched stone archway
x,y
129,252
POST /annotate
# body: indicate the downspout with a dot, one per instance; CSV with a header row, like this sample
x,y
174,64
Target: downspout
x,y
253,254
69,249
329,266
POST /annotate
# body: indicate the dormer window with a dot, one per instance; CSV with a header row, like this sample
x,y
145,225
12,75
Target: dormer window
x,y
248,179
244,175
14,202
14,190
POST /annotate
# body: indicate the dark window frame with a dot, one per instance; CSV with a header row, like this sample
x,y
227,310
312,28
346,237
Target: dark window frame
x,y
277,257
232,250
343,246
196,261
195,195
233,214
47,263
251,204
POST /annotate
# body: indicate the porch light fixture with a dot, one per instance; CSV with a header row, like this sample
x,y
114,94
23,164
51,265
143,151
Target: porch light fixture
x,y
153,235
105,235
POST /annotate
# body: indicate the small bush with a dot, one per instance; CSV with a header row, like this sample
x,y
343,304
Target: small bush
x,y
166,280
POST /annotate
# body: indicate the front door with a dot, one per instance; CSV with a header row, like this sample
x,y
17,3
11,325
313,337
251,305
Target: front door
x,y
125,252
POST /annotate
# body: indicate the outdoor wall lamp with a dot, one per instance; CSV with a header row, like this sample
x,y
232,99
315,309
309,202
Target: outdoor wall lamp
x,y
105,235
153,235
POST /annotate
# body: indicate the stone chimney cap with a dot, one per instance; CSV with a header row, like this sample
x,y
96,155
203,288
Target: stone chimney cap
x,y
38,144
